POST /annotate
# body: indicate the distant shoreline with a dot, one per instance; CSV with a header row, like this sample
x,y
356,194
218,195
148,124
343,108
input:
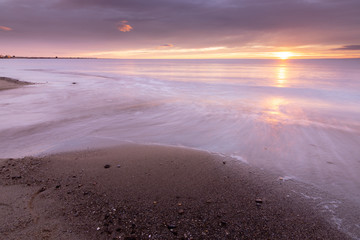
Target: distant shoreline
x,y
180,59
45,58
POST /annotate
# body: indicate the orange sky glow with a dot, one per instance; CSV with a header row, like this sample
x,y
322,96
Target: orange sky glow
x,y
265,29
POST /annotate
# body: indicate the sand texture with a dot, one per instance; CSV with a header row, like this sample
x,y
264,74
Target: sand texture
x,y
9,83
150,192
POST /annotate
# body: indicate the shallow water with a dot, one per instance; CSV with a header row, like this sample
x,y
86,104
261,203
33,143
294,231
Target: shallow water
x,y
298,118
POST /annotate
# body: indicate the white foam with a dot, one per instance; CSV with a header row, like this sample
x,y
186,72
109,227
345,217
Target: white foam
x,y
240,158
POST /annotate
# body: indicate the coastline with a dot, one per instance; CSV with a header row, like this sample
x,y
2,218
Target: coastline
x,y
151,192
10,83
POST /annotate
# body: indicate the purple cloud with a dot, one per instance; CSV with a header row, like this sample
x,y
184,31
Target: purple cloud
x,y
184,23
348,47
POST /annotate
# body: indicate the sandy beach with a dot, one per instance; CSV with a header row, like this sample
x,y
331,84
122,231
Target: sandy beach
x,y
9,83
150,192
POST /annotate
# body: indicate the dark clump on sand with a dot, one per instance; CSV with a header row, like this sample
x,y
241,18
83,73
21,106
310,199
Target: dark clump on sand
x,y
157,193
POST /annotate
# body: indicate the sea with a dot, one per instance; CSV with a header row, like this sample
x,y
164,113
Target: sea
x,y
299,119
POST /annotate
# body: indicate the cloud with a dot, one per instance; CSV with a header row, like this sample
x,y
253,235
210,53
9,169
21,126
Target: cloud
x,y
5,28
154,51
348,47
168,45
124,27
191,24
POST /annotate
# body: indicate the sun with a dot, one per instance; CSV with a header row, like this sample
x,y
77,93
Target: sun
x,y
284,55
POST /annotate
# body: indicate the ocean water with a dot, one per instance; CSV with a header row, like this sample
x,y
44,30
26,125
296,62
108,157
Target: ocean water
x,y
297,118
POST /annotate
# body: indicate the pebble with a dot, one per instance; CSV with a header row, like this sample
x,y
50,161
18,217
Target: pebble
x,y
258,201
181,211
171,226
174,232
222,224
107,166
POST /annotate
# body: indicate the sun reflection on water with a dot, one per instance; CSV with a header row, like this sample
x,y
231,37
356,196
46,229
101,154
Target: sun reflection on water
x,y
273,110
281,76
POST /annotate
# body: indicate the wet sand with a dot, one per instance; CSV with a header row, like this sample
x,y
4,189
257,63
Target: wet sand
x,y
9,83
151,192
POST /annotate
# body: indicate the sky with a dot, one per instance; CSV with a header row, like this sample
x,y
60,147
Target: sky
x,y
181,28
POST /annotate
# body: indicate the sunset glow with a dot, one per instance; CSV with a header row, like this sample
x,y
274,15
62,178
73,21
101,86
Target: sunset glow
x,y
191,119
284,55
139,30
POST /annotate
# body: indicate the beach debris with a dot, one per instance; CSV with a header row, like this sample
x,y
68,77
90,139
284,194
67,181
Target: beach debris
x,y
285,178
74,83
98,228
224,162
42,189
171,226
181,211
155,202
222,224
107,166
179,204
130,238
174,232
258,201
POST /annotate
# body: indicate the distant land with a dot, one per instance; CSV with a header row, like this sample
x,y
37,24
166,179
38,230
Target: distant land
x,y
10,57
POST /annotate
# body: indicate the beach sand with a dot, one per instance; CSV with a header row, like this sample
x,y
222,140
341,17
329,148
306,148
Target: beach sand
x,y
150,192
9,83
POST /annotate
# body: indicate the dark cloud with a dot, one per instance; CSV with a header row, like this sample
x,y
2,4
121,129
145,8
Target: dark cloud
x,y
167,45
348,47
185,23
